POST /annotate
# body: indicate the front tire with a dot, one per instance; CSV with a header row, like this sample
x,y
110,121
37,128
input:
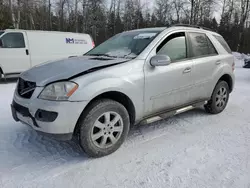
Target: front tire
x,y
219,99
103,127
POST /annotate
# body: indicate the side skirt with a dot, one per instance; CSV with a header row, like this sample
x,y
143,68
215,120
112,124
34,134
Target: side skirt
x,y
171,112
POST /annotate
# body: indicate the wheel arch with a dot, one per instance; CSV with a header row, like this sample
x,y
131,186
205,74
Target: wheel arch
x,y
1,72
116,96
227,78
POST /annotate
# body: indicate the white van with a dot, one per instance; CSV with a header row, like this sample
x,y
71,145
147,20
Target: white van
x,y
21,49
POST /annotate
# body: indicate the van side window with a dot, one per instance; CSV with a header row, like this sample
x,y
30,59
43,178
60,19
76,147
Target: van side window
x,y
201,45
13,40
174,46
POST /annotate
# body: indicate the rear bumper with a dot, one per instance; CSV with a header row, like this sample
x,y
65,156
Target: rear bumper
x,y
49,117
233,83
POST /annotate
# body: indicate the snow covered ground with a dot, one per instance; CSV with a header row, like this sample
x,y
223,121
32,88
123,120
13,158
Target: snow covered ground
x,y
193,149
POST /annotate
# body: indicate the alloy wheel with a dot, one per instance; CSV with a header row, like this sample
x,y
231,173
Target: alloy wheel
x,y
221,97
107,129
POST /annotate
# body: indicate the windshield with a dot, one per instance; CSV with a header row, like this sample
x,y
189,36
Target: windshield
x,y
125,45
1,32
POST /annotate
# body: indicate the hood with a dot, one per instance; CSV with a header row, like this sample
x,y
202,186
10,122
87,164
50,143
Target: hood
x,y
67,68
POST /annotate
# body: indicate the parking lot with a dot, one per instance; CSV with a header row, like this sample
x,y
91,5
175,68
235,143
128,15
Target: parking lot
x,y
193,149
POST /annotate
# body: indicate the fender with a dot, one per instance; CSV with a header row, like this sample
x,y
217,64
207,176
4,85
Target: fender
x,y
90,88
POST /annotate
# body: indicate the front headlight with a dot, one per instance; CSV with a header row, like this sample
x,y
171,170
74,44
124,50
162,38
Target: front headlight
x,y
59,91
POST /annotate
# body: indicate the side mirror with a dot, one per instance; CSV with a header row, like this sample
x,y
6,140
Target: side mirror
x,y
160,60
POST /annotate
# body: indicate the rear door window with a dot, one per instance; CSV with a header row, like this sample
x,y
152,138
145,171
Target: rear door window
x,y
13,40
201,45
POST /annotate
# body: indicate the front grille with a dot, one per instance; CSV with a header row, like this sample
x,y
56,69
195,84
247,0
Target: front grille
x,y
25,88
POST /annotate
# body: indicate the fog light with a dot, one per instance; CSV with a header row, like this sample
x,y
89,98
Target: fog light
x,y
46,116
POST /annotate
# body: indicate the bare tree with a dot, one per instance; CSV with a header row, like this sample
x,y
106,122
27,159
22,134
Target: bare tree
x,y
112,15
11,13
50,21
61,5
192,11
163,11
85,4
76,15
129,14
178,6
243,17
104,18
223,7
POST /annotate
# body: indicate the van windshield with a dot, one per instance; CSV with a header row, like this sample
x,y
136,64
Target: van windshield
x,y
125,45
1,32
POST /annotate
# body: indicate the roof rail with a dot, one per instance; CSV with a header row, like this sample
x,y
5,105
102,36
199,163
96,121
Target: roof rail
x,y
194,26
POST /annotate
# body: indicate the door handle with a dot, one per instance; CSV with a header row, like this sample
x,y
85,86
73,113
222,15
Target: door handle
x,y
218,62
187,70
27,52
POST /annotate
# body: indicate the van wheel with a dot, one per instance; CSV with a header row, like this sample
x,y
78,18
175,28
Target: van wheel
x,y
219,99
1,77
103,128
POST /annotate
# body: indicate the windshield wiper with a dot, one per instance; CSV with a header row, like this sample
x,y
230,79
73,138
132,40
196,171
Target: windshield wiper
x,y
127,56
105,55
111,56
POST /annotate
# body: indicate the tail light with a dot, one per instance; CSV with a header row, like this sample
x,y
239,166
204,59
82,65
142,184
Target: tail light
x,y
233,66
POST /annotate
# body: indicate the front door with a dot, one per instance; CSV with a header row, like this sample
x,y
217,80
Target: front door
x,y
14,53
167,87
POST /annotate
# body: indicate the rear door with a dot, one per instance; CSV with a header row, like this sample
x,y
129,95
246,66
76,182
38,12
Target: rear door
x,y
14,52
206,62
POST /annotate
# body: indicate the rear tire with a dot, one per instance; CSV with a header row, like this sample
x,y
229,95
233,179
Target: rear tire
x,y
219,99
104,126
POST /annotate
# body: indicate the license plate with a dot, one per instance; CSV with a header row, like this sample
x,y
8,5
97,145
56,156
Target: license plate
x,y
26,120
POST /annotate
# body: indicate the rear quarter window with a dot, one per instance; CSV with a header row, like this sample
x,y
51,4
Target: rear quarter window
x,y
222,41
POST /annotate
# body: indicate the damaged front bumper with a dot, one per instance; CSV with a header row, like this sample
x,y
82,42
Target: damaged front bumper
x,y
50,117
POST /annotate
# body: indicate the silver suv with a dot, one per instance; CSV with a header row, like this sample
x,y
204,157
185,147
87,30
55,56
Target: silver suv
x,y
136,76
